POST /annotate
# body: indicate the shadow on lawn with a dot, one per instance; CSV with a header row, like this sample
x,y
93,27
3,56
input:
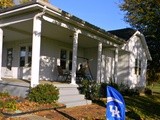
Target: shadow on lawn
x,y
143,106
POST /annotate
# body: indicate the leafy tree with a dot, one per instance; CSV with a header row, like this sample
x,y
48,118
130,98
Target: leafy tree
x,y
144,15
6,3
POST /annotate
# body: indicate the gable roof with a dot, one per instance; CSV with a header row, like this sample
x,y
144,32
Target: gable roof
x,y
125,33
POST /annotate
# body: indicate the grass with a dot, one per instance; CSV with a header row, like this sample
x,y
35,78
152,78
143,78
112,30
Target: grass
x,y
144,107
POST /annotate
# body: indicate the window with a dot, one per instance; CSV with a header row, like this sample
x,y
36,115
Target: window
x,y
9,58
63,59
22,56
25,56
66,59
29,56
137,67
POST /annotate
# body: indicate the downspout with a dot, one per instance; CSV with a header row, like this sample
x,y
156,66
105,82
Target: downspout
x,y
42,13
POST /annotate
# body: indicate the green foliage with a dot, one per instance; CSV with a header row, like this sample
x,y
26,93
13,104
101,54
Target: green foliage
x,y
44,93
4,94
143,107
1,104
95,91
10,104
90,89
144,15
7,102
147,91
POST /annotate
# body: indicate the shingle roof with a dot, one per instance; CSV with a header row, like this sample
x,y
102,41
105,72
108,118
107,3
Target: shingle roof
x,y
125,33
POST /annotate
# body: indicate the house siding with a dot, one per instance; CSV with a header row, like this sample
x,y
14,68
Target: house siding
x,y
123,67
107,68
136,50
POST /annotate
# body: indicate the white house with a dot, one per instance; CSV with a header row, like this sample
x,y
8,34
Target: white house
x,y
36,37
132,57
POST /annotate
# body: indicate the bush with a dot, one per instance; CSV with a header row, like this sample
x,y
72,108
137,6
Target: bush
x,y
147,91
4,94
44,93
10,104
90,89
85,88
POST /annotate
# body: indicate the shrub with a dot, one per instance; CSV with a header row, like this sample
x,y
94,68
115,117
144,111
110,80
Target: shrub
x,y
85,88
10,104
103,89
95,91
4,94
147,91
44,93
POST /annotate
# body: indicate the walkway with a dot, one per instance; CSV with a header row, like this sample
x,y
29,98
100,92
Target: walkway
x,y
31,117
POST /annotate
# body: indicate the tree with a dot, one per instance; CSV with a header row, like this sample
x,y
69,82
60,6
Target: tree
x,y
6,3
144,15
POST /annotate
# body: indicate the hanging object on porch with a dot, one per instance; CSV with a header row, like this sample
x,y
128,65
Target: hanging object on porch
x,y
88,66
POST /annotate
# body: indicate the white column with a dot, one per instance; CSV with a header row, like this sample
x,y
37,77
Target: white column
x,y
116,65
99,59
1,49
36,43
74,57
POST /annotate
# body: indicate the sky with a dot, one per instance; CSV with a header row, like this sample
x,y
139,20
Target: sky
x,y
101,13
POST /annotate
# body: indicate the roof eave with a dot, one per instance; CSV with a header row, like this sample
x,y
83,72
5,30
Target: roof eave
x,y
39,5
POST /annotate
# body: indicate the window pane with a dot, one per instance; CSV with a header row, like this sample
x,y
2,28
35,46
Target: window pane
x,y
22,56
9,58
22,61
63,54
70,60
136,66
23,52
139,67
63,64
29,56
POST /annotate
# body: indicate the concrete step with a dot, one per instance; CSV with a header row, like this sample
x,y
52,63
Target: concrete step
x,y
77,103
68,91
68,98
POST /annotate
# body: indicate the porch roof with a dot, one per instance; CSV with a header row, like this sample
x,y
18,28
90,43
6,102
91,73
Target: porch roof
x,y
39,6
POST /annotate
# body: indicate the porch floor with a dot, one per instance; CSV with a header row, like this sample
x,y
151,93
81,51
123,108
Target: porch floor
x,y
69,94
27,82
20,87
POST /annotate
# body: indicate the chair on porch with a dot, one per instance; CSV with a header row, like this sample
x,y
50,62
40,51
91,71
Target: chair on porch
x,y
81,73
63,76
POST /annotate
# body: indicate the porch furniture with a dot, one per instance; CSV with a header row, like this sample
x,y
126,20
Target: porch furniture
x,y
81,74
64,76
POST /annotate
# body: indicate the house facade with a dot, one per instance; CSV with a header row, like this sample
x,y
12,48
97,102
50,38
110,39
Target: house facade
x,y
36,37
133,58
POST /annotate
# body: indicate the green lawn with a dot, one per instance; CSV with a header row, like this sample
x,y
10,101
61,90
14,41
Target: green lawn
x,y
144,107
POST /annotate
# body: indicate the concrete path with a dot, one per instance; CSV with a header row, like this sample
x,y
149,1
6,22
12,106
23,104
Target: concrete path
x,y
32,117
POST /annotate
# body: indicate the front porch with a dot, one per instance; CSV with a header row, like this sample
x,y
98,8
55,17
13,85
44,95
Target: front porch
x,y
68,93
49,38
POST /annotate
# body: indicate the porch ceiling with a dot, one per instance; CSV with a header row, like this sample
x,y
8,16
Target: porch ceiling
x,y
23,31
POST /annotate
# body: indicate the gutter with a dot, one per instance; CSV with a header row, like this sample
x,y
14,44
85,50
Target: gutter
x,y
42,13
